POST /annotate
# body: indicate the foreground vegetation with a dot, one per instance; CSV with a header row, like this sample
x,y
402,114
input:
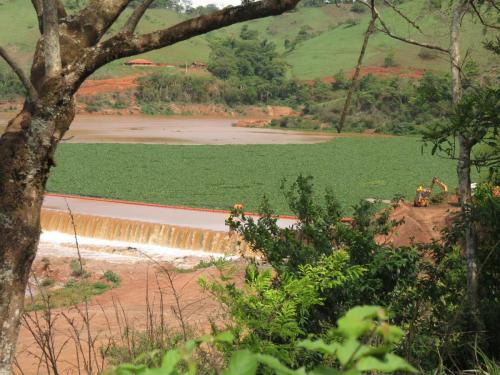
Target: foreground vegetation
x,y
294,312
219,176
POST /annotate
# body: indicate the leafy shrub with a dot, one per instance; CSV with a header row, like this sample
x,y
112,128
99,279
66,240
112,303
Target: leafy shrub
x,y
428,54
390,61
156,108
112,277
10,86
358,7
350,22
176,88
363,342
340,82
293,122
439,197
269,314
47,282
77,269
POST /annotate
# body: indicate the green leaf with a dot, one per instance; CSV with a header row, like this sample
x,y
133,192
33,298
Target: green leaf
x,y
153,371
349,350
225,337
325,371
390,363
243,362
190,345
277,366
319,346
128,368
391,334
170,360
358,320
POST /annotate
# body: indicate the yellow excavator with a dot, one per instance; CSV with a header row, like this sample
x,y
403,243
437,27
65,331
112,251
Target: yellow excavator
x,y
422,197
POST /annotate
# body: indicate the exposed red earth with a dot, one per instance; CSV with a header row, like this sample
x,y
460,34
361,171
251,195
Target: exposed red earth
x,y
120,309
379,71
93,87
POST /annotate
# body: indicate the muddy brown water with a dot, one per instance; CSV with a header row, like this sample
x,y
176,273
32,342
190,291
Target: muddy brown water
x,y
174,130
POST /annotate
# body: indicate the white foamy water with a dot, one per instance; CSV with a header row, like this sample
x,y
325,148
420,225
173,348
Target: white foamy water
x,y
62,244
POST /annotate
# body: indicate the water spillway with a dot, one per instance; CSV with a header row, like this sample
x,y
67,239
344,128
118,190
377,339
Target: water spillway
x,y
140,232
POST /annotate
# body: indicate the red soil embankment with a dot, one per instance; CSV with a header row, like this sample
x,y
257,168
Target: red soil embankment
x,y
92,87
379,71
421,224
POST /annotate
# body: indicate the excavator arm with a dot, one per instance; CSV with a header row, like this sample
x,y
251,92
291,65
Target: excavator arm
x,y
436,181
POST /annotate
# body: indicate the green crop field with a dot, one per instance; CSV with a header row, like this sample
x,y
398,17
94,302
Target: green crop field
x,y
335,44
219,176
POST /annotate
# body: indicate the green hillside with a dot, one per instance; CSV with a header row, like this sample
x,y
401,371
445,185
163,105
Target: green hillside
x,y
336,36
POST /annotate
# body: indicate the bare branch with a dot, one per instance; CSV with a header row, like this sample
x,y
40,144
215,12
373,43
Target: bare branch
x,y
347,103
37,4
51,48
122,45
136,16
481,18
492,3
404,16
32,93
385,29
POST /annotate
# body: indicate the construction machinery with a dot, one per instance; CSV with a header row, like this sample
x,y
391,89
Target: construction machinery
x,y
422,197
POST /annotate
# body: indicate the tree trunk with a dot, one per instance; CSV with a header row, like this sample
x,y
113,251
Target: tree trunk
x,y
464,181
26,152
464,166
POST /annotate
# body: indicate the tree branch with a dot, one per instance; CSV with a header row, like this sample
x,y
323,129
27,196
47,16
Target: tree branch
x,y
136,16
32,93
122,45
51,48
96,18
492,3
385,29
481,19
37,4
404,16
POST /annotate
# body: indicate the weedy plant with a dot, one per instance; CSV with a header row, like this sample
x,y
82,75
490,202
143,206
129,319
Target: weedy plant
x,y
362,342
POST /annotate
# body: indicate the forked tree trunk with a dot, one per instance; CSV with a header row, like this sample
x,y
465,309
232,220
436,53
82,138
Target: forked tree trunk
x,y
68,52
26,154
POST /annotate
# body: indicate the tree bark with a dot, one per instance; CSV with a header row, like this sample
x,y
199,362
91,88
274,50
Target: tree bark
x,y
66,54
51,45
464,166
26,151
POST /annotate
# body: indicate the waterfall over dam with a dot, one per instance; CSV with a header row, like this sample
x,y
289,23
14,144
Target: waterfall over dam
x,y
141,232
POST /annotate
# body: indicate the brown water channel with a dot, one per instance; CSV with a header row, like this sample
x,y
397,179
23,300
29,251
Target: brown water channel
x,y
174,130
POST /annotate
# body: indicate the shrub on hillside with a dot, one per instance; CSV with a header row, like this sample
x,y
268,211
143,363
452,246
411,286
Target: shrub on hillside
x,y
390,60
358,7
10,86
428,54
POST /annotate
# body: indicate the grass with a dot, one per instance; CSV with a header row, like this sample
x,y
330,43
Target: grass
x,y
73,293
336,46
219,176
